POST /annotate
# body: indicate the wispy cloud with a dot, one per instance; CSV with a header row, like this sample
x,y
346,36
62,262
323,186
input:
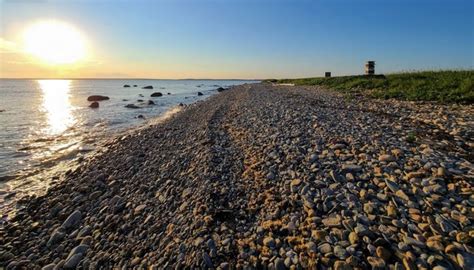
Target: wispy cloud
x,y
7,46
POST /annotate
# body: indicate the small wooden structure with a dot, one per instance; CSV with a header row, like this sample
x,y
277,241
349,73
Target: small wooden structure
x,y
327,74
370,68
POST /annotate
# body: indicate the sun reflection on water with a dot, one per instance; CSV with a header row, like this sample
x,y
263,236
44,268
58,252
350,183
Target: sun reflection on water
x,y
56,105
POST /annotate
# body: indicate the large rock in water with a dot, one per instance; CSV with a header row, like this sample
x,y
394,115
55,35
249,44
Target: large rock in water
x,y
220,89
156,94
200,94
148,87
126,85
94,105
97,98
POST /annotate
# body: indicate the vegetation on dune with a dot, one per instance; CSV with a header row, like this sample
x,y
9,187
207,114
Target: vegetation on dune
x,y
442,86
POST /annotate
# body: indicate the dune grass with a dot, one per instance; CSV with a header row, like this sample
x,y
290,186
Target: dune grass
x,y
441,86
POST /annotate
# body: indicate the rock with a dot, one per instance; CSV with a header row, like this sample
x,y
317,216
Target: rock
x,y
134,85
351,168
207,260
50,266
94,105
269,242
341,265
75,256
340,252
333,221
97,98
147,87
126,85
200,94
132,106
386,158
150,102
376,263
325,248
56,236
156,94
383,253
353,238
73,261
139,209
401,194
220,89
392,185
72,221
279,264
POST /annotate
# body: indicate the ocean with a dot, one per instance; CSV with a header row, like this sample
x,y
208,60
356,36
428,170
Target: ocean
x,y
46,125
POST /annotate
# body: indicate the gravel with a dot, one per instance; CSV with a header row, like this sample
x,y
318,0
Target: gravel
x,y
264,176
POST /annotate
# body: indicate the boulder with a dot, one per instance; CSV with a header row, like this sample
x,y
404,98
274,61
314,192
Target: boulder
x,y
150,102
134,85
97,98
220,89
94,105
139,100
156,94
147,87
200,94
169,93
131,106
126,85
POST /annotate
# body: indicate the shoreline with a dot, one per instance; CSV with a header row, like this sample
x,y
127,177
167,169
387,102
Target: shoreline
x,y
64,163
264,176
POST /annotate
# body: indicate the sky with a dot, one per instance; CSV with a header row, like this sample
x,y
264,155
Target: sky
x,y
240,38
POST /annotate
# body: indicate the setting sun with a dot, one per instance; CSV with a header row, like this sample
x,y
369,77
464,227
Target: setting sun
x,y
54,42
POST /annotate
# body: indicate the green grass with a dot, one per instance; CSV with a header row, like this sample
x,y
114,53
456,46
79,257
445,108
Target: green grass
x,y
441,86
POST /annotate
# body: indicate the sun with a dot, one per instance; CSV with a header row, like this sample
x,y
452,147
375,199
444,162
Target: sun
x,y
54,42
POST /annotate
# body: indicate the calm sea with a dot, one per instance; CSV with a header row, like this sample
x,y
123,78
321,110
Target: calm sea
x,y
46,124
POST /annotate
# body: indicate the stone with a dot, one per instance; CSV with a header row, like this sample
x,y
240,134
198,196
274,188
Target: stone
x,y
73,261
341,265
401,194
340,252
279,264
56,236
97,98
383,253
392,185
199,94
325,248
333,221
156,94
151,102
269,242
126,85
50,266
386,158
353,238
351,168
132,106
94,105
73,220
139,209
376,263
147,87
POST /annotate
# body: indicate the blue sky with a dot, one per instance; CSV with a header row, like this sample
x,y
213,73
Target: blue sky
x,y
250,39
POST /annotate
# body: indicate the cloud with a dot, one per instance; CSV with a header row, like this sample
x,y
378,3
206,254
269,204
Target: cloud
x,y
7,46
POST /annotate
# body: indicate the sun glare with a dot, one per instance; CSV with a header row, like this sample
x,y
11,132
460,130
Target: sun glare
x,y
54,42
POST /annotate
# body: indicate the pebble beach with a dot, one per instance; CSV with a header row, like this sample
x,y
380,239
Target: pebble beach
x,y
264,176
